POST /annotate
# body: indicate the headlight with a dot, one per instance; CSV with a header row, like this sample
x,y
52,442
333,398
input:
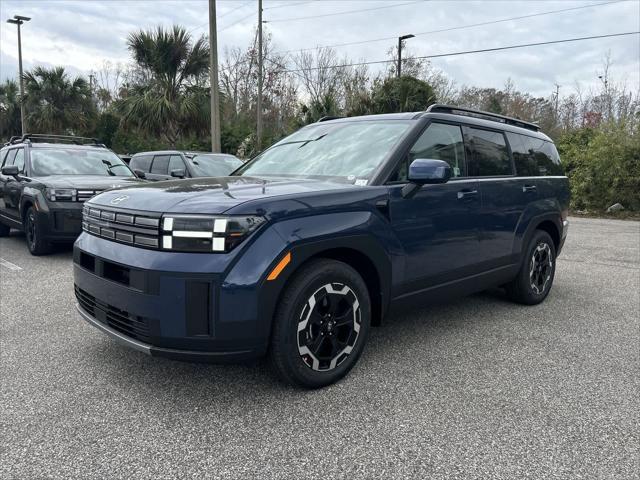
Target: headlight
x,y
198,233
62,194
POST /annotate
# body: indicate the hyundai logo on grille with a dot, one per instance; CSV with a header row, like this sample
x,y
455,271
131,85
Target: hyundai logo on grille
x,y
118,200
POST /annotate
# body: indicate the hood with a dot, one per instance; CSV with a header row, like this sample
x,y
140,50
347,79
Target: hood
x,y
207,195
89,182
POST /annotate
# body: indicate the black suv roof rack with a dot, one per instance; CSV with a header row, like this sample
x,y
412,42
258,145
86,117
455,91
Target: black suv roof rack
x,y
30,137
494,117
328,117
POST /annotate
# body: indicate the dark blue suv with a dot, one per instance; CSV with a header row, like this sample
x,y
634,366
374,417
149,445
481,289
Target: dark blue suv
x,y
305,247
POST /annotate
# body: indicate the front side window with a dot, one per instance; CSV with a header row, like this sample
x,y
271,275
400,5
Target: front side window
x,y
160,165
10,156
3,157
75,161
175,163
19,160
489,153
439,142
346,152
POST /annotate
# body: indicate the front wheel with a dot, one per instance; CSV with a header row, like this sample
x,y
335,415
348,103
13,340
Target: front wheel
x,y
321,324
535,278
33,231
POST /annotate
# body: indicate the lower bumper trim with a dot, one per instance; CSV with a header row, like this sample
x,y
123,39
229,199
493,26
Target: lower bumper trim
x,y
160,351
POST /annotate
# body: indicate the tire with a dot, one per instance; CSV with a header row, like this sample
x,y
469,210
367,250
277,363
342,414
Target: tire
x,y
329,303
4,230
33,232
535,278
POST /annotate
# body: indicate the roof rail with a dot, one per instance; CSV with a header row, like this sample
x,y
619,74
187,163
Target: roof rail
x,y
438,108
328,117
58,138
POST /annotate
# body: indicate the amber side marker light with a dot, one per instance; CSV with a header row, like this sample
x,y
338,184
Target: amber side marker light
x,y
280,267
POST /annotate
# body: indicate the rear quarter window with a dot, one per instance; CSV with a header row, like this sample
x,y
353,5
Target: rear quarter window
x,y
534,157
141,162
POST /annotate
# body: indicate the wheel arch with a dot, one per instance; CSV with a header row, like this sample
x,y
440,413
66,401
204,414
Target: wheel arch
x,y
551,228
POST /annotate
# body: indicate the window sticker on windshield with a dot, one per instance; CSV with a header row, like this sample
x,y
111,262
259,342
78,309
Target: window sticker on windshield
x,y
361,182
351,178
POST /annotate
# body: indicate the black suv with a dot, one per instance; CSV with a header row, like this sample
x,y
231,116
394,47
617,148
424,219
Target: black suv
x,y
172,164
44,180
313,241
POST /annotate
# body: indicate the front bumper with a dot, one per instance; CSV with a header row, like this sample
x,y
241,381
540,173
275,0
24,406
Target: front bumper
x,y
181,305
62,221
159,351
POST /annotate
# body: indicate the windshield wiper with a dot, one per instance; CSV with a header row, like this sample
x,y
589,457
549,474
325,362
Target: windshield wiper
x,y
110,166
306,142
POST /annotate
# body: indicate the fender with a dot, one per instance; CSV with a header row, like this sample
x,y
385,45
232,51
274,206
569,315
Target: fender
x,y
524,232
305,238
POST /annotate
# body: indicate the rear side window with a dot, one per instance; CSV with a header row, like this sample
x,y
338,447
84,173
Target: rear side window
x,y
534,156
160,164
142,162
489,153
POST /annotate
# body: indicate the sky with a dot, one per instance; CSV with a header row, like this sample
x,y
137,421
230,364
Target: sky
x,y
81,35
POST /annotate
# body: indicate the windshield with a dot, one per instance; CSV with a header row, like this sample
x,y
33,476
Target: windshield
x,y
349,151
214,165
76,161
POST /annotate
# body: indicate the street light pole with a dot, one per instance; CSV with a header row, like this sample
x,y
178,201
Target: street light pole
x,y
260,66
19,20
213,79
400,40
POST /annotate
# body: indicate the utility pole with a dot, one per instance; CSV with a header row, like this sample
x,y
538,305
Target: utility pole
x,y
213,79
19,20
400,40
557,100
259,100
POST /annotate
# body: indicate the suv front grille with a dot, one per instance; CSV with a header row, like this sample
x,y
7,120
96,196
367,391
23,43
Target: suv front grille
x,y
123,227
84,195
131,325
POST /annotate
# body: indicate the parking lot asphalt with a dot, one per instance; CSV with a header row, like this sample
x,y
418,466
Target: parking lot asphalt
x,y
476,388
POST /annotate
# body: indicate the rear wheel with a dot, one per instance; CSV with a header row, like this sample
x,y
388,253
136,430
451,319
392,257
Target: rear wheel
x,y
33,231
535,278
321,324
4,230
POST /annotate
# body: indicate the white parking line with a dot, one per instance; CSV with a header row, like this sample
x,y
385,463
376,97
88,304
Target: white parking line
x,y
9,265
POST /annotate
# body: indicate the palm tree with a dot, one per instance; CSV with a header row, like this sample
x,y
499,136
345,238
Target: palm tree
x,y
54,103
169,97
9,109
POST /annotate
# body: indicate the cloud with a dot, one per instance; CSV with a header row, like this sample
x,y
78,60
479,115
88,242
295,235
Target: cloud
x,y
80,35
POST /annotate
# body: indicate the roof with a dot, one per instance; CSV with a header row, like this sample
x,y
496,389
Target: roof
x,y
468,116
184,152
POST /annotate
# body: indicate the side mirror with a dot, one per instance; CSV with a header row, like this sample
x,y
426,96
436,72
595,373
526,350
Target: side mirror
x,y
178,173
423,171
139,174
10,170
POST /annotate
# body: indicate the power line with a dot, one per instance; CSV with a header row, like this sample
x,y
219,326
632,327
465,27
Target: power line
x,y
244,4
344,12
237,21
491,22
466,52
286,5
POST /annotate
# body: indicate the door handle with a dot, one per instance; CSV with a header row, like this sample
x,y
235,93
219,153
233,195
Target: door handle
x,y
529,188
466,194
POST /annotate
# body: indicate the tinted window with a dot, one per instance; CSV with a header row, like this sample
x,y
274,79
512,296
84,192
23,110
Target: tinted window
x,y
77,161
534,156
439,142
160,164
489,154
175,163
19,160
3,156
142,162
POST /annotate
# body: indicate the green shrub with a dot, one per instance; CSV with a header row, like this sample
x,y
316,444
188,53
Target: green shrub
x,y
603,165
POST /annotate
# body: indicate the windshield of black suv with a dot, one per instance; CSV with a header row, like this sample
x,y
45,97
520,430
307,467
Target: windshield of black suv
x,y
206,165
77,161
343,151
